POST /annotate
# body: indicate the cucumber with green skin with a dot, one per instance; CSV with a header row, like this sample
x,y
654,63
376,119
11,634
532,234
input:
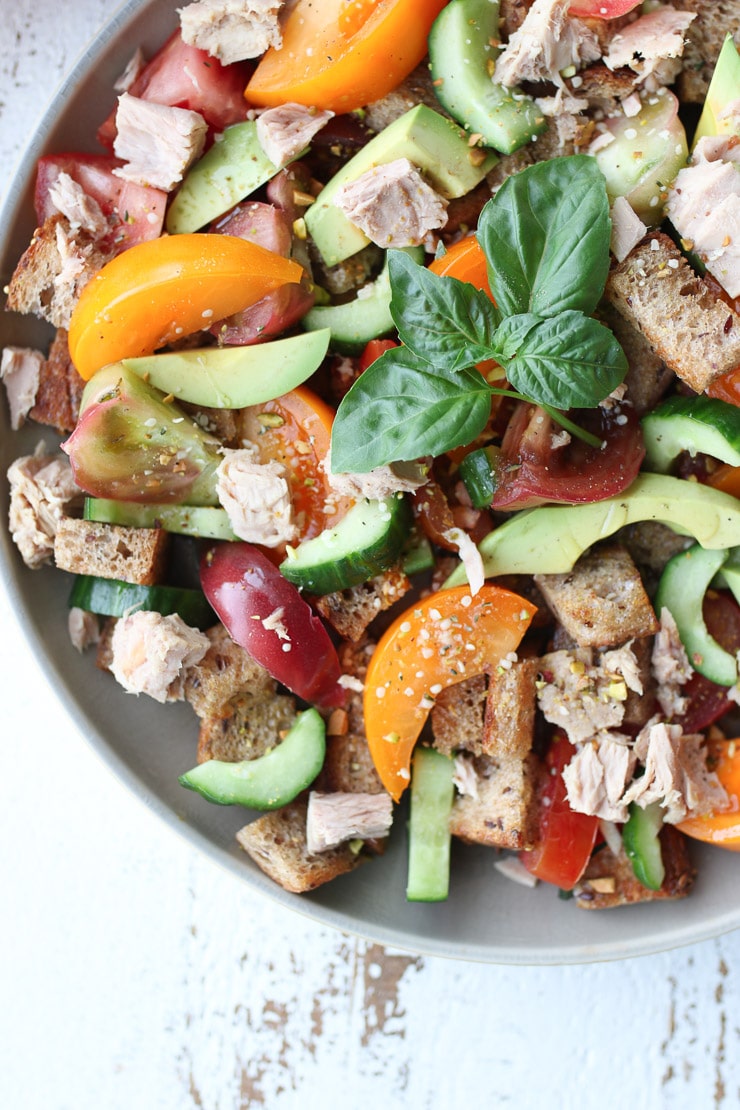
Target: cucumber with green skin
x,y
272,780
109,597
367,541
681,590
478,473
693,424
462,55
205,521
641,840
432,795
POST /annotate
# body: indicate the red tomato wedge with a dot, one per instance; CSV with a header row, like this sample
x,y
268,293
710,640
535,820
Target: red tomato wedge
x,y
267,616
721,829
602,9
161,290
447,637
343,54
566,839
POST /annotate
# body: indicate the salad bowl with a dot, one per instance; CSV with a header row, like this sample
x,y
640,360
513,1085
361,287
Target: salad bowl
x,y
487,917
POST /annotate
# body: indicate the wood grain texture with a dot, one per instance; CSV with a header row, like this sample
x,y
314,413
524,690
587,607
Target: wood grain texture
x,y
134,973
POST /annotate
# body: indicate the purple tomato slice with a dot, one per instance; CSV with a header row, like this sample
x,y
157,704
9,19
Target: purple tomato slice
x,y
267,616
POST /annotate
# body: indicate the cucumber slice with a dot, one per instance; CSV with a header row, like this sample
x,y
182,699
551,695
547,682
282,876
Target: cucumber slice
x,y
641,840
461,58
367,317
478,472
368,540
417,555
681,590
272,780
111,598
691,424
432,794
206,521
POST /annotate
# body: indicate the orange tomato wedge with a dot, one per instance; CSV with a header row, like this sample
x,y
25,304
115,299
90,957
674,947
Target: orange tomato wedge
x,y
726,478
721,829
160,290
447,637
465,261
343,54
295,430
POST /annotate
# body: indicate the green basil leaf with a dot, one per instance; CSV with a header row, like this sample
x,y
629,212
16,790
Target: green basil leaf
x,y
569,361
546,238
402,408
440,319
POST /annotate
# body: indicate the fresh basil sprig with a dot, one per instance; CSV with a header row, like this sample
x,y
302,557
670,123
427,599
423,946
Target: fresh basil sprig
x,y
546,239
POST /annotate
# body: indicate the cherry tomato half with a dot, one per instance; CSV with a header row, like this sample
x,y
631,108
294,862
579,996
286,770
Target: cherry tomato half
x,y
722,829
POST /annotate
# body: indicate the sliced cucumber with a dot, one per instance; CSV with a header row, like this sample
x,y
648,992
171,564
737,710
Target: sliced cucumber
x,y
462,55
110,598
272,780
354,323
368,540
206,521
417,555
693,424
234,377
478,472
682,587
432,795
641,840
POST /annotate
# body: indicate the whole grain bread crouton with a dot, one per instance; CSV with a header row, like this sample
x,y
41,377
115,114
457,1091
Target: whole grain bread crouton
x,y
226,678
498,807
111,551
277,844
60,388
351,611
488,715
601,602
348,766
688,325
253,729
609,880
704,38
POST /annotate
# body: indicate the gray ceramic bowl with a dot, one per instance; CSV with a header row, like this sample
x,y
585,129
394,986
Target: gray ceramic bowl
x,y
487,917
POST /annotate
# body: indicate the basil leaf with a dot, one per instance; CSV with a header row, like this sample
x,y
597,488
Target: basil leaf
x,y
402,408
570,361
441,319
546,238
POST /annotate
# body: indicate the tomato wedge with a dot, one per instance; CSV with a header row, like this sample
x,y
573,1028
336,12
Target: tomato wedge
x,y
465,261
343,54
160,290
722,829
447,637
295,430
601,9
267,616
565,838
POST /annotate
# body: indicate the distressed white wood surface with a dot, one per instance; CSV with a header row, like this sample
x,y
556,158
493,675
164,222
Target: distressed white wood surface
x,y
134,974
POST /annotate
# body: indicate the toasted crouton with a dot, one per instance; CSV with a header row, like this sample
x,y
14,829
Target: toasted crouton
x,y
503,815
458,715
60,388
689,326
704,38
54,270
249,732
348,766
609,880
225,678
351,611
602,601
647,377
277,844
111,551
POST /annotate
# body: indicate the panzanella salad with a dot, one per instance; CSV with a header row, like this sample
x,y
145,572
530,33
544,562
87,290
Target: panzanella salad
x,y
397,370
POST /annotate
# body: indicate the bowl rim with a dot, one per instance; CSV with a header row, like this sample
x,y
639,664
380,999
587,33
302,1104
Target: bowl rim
x,y
662,939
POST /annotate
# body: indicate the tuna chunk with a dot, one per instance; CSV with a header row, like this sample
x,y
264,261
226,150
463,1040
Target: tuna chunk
x,y
334,818
584,699
597,775
83,627
393,205
132,71
547,42
704,207
651,41
151,653
286,131
81,210
627,228
257,498
41,488
380,482
232,30
158,143
676,774
20,369
670,666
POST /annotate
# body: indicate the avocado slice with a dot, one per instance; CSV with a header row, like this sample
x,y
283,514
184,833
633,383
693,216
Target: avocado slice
x,y
723,89
550,539
436,145
462,56
231,170
354,323
234,377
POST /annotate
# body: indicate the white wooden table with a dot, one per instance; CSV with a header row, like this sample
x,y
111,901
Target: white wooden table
x,y
134,974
